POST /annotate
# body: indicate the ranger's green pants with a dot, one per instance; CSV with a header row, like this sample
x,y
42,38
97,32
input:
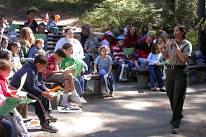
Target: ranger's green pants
x,y
176,86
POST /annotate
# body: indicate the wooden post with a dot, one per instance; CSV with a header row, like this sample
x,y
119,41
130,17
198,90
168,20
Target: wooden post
x,y
23,110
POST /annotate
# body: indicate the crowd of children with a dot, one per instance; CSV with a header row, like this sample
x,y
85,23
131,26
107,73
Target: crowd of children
x,y
126,48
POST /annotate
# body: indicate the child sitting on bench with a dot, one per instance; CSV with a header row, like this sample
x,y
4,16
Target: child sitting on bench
x,y
103,63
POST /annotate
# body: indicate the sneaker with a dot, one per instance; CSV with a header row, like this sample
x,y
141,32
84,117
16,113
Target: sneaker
x,y
77,99
83,100
49,128
69,109
112,94
163,89
175,130
64,104
104,95
52,119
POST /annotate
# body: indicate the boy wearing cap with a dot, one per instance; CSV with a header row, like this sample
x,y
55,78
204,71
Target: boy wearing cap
x,y
119,58
108,38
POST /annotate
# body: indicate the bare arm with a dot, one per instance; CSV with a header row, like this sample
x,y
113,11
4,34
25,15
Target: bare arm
x,y
183,58
110,68
164,51
95,68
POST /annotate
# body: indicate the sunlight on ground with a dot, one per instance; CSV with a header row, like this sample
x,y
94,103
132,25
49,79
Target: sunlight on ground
x,y
193,89
128,93
1,6
82,124
137,105
198,118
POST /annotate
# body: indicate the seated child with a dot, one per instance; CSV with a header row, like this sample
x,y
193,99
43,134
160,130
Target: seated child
x,y
14,47
41,34
52,24
3,26
119,58
103,65
16,119
154,60
4,43
108,36
37,49
31,22
144,47
77,67
54,74
36,90
12,34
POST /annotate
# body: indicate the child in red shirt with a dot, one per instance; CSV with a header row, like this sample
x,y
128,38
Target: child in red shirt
x,y
16,119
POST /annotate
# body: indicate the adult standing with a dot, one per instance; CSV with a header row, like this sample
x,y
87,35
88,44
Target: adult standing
x,y
178,52
78,52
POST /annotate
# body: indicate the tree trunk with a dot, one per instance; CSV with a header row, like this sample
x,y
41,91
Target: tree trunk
x,y
172,7
201,35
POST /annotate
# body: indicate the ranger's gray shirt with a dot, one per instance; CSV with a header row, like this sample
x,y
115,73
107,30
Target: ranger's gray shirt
x,y
185,47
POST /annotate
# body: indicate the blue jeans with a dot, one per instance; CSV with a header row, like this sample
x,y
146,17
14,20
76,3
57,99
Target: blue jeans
x,y
142,63
87,60
110,85
79,85
8,126
155,76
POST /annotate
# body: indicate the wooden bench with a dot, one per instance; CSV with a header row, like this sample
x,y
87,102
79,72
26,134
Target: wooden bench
x,y
97,86
52,40
199,72
142,77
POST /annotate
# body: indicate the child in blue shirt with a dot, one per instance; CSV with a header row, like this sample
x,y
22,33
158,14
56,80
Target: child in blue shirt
x,y
154,60
37,49
52,24
104,64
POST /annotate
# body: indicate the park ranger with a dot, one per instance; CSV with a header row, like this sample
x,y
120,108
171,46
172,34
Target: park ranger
x,y
177,51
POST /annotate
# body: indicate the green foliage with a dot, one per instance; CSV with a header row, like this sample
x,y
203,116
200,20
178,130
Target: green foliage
x,y
186,12
120,13
176,11
192,37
